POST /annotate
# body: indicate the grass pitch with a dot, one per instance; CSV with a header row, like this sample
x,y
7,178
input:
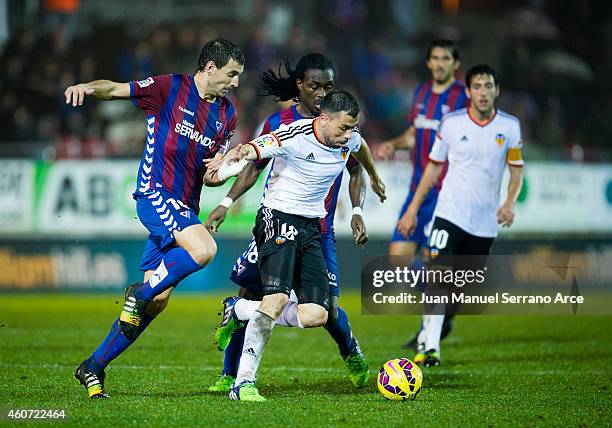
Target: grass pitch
x,y
496,371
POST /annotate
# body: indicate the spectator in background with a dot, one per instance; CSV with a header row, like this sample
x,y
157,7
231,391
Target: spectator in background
x,y
60,21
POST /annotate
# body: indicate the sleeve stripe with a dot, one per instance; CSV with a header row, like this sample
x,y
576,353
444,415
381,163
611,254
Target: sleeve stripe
x,y
285,135
132,94
436,161
256,149
277,139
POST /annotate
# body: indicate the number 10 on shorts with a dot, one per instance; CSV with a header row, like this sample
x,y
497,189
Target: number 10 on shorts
x,y
438,239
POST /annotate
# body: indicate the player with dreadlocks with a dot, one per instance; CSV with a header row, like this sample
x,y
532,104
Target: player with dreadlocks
x,y
307,84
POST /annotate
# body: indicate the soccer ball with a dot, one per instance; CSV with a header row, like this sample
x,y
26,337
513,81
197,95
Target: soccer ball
x,y
400,379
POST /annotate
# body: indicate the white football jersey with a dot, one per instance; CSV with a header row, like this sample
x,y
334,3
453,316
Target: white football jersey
x,y
304,167
477,155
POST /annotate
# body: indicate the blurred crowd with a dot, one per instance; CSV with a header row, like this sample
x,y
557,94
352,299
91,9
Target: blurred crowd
x,y
552,89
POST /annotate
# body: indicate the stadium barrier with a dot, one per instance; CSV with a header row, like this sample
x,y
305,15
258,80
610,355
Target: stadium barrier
x,y
93,198
72,224
101,264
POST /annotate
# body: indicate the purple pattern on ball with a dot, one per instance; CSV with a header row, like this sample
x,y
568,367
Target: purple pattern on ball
x,y
399,391
408,374
390,389
402,362
385,378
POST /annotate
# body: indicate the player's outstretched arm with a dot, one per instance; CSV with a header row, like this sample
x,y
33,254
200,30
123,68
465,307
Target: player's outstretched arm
x,y
364,156
357,190
404,141
408,222
245,180
505,213
101,89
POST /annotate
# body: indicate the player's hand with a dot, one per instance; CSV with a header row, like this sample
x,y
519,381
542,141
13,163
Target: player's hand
x,y
505,214
378,187
359,230
215,218
385,150
215,163
76,94
407,223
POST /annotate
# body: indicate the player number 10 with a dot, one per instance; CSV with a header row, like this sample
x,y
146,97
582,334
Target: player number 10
x,y
439,238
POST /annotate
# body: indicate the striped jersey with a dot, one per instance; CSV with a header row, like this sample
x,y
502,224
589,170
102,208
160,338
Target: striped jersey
x,y
425,115
285,117
304,167
477,154
182,130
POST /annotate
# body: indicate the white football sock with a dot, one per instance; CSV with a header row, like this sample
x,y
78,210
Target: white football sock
x,y
433,329
421,335
245,309
289,317
256,337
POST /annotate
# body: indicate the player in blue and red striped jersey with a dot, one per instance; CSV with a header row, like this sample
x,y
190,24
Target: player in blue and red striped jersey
x,y
311,80
432,99
189,119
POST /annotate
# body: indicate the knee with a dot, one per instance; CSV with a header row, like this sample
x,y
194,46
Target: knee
x,y
312,315
204,253
273,304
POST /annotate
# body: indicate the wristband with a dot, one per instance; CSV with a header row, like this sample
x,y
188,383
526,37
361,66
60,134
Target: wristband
x,y
226,202
358,211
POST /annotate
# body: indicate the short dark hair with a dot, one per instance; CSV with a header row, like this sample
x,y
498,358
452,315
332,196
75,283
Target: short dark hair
x,y
285,88
444,44
219,51
337,101
480,69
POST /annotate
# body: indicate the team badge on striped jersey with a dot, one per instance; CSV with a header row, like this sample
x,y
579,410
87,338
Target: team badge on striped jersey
x,y
344,152
146,82
500,139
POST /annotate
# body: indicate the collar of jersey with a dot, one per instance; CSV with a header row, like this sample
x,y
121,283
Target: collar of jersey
x,y
486,122
444,91
314,128
217,99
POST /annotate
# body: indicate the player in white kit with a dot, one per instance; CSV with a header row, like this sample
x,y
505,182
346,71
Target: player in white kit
x,y
478,142
309,155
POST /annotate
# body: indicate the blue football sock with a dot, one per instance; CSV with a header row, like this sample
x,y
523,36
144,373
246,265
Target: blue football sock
x,y
231,358
175,266
113,345
340,330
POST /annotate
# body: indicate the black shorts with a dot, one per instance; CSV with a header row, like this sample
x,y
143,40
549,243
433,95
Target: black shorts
x,y
290,256
448,240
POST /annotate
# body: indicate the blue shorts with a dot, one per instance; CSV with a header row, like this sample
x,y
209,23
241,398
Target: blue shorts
x,y
420,236
161,214
245,272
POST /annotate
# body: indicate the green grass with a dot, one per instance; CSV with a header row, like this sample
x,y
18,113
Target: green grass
x,y
497,371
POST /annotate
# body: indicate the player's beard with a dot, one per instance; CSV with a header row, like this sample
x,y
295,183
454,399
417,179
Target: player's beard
x,y
445,78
